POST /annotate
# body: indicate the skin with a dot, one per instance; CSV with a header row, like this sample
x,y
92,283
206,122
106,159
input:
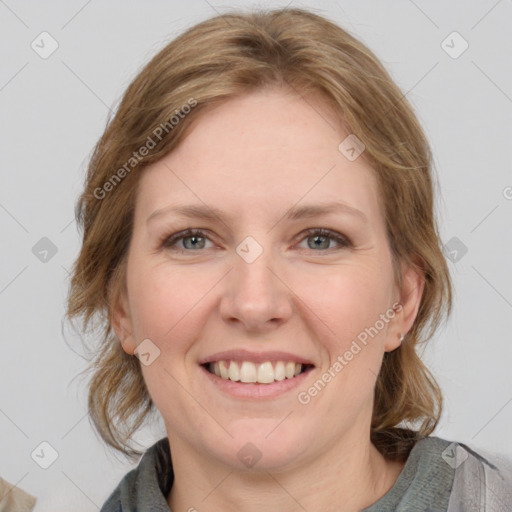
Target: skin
x,y
255,157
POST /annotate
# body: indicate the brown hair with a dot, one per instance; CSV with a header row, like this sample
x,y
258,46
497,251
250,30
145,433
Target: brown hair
x,y
214,61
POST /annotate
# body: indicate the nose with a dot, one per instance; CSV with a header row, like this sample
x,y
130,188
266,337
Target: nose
x,y
255,296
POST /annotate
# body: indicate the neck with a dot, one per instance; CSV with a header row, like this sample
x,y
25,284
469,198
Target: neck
x,y
344,478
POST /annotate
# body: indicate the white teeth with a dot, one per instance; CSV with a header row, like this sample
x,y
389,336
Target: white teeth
x,y
248,372
289,370
223,369
279,373
263,373
234,372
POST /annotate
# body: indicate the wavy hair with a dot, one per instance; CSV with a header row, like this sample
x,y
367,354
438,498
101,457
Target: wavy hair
x,y
211,62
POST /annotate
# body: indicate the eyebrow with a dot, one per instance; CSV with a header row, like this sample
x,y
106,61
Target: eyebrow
x,y
294,213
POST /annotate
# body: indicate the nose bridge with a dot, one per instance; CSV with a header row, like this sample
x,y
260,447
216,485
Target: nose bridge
x,y
252,270
255,295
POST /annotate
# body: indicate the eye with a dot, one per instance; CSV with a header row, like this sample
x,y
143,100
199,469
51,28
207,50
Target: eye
x,y
192,239
195,240
321,239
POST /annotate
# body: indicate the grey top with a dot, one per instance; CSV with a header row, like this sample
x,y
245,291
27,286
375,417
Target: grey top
x,y
438,476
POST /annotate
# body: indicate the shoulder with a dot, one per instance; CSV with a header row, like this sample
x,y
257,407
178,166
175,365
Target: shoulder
x,y
482,479
145,486
449,476
14,498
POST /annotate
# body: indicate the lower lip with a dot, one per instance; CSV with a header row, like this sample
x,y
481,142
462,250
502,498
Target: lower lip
x,y
255,389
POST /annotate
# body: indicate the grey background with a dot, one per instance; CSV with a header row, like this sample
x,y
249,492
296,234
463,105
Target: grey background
x,y
52,112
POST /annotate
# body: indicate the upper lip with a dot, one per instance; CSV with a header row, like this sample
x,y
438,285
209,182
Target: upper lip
x,y
254,357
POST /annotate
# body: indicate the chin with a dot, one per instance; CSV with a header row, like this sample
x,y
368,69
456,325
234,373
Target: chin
x,y
261,445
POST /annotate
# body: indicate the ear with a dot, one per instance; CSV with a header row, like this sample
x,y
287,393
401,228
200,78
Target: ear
x,y
407,304
120,319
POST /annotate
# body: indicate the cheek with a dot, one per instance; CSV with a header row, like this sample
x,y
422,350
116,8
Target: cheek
x,y
349,299
165,301
349,305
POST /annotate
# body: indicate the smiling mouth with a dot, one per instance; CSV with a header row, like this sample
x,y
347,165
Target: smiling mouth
x,y
267,372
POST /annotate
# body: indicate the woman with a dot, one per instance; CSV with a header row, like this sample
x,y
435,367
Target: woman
x,y
261,251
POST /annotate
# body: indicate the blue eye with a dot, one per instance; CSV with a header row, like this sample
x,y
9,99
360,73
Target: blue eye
x,y
195,240
319,237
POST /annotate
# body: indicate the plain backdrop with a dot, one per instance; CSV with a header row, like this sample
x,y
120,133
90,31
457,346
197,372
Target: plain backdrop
x,y
54,109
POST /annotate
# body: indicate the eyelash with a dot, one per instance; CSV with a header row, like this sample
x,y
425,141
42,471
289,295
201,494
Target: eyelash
x,y
168,242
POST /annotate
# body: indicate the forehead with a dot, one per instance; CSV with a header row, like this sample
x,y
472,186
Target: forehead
x,y
264,151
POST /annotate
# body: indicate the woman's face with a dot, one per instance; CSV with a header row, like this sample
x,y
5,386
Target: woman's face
x,y
258,292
